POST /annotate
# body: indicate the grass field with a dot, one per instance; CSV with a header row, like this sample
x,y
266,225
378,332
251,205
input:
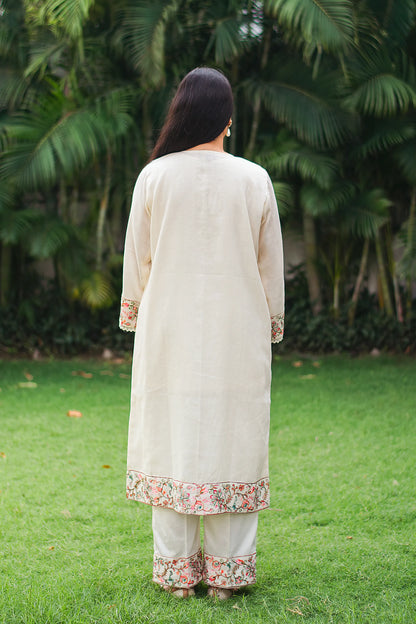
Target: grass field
x,y
337,545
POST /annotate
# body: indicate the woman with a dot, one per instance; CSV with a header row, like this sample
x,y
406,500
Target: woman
x,y
203,290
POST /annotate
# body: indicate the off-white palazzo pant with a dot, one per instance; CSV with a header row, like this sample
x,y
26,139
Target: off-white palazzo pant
x,y
229,549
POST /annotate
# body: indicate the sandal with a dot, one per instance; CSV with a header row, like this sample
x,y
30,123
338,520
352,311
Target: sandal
x,y
220,592
179,592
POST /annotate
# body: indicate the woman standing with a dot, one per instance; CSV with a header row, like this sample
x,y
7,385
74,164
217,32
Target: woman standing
x,y
203,290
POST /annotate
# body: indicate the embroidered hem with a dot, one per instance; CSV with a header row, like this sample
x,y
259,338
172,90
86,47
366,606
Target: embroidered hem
x,y
198,498
182,572
278,322
128,314
229,572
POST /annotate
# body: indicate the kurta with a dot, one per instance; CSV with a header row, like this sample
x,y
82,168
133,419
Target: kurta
x,y
203,290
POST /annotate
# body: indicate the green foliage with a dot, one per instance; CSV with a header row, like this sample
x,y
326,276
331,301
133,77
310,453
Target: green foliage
x,y
325,99
322,333
316,23
302,105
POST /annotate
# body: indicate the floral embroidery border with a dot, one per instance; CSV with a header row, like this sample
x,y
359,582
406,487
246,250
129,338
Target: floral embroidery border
x,y
278,322
128,314
229,572
198,498
181,572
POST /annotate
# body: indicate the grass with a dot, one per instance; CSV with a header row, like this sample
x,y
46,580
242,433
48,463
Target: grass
x,y
337,545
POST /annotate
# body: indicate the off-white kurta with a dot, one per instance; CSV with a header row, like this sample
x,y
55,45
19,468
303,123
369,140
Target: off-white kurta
x,y
203,290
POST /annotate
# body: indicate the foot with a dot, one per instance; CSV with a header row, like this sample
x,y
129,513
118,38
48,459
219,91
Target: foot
x,y
220,592
180,592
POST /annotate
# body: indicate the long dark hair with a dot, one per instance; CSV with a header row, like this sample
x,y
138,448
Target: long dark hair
x,y
200,110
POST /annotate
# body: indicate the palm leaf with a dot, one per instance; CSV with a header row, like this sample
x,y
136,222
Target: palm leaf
x,y
320,202
396,17
387,134
68,15
326,23
141,34
15,224
49,142
381,86
289,159
366,213
226,40
302,106
382,96
48,237
284,196
96,291
45,53
406,157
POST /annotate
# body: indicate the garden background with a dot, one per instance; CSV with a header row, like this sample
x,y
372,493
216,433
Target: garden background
x,y
325,95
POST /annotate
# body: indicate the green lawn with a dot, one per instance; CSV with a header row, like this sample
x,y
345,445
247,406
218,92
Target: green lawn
x,y
337,545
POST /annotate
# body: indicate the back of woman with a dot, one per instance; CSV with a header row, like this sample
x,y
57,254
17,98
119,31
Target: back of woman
x,y
203,289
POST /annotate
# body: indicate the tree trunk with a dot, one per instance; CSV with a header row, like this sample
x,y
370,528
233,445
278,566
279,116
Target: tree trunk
x,y
410,234
358,282
234,81
249,153
254,127
393,272
147,127
383,277
5,271
103,213
337,280
311,253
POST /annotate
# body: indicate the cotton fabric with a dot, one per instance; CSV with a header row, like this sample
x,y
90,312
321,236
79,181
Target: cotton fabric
x,y
229,549
203,290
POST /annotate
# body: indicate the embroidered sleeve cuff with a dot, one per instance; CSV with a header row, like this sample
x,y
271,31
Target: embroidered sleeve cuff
x,y
278,322
128,314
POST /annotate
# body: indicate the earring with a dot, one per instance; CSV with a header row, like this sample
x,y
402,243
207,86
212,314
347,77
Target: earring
x,y
228,133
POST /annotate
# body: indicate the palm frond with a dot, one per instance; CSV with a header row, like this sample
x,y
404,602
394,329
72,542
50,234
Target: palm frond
x,y
382,96
381,85
227,40
387,134
406,157
48,237
320,202
301,163
47,54
49,141
15,224
325,23
366,213
141,34
96,291
297,103
68,15
285,197
396,17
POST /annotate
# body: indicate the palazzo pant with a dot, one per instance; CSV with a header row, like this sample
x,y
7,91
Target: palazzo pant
x,y
228,558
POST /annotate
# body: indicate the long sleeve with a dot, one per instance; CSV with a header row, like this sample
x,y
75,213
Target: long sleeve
x,y
270,263
137,257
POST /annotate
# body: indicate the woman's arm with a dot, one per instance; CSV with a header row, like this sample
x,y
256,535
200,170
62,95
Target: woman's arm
x,y
270,262
137,257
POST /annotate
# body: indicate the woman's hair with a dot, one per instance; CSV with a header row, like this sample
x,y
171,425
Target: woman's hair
x,y
200,110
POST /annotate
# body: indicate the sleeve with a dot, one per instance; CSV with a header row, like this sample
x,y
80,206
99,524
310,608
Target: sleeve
x,y
270,263
137,257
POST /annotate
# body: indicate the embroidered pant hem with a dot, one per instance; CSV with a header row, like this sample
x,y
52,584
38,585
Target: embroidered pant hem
x,y
229,558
